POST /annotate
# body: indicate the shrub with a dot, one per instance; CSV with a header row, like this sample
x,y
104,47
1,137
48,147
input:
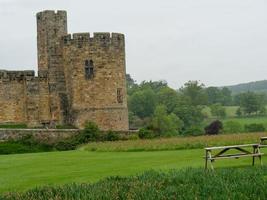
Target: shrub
x,y
214,127
90,133
146,133
26,144
254,127
194,131
232,127
112,136
65,145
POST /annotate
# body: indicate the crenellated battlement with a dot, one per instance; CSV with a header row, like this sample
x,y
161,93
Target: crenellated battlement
x,y
81,77
50,14
103,38
16,75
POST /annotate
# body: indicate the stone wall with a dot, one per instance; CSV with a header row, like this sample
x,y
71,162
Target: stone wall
x,y
80,78
49,136
23,98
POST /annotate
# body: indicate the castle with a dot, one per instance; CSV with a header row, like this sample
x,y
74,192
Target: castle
x,y
80,78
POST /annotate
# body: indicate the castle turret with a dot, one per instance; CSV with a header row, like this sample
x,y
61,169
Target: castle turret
x,y
51,27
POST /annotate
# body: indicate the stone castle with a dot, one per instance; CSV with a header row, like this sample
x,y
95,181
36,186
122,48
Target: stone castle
x,y
80,78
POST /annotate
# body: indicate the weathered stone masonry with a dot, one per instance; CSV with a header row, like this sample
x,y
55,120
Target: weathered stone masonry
x,y
80,78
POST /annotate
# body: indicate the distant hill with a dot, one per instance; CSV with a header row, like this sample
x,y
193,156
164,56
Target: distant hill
x,y
257,86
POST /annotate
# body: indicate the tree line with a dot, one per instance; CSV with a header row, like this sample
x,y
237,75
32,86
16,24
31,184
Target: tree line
x,y
156,106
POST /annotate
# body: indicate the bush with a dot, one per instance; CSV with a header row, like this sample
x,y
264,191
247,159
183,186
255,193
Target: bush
x,y
194,131
232,127
65,145
111,136
145,133
254,127
26,144
214,127
90,133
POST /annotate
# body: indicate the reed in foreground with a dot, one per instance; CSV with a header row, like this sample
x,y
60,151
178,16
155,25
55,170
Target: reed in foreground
x,y
231,183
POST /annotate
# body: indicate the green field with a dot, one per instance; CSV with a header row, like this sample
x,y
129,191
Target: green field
x,y
249,120
230,111
231,116
173,143
25,171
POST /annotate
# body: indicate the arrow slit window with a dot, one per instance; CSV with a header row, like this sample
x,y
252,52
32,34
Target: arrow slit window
x,y
89,69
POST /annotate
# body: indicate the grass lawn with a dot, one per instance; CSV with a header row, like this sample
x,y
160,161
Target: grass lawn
x,y
25,171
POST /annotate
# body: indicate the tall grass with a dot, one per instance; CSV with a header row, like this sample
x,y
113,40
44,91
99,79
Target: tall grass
x,y
188,184
174,143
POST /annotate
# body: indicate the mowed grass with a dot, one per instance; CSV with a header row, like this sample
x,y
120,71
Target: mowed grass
x,y
26,171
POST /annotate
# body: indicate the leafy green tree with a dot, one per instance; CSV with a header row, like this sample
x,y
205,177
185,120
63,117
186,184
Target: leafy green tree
x,y
143,102
195,92
156,86
218,110
189,114
226,95
251,103
168,97
214,95
164,124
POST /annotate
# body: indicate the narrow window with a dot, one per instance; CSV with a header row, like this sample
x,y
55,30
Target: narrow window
x,y
119,95
89,69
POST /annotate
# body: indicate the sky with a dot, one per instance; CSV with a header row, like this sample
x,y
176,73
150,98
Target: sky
x,y
217,42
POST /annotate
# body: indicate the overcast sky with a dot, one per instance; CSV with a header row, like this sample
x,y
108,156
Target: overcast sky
x,y
218,42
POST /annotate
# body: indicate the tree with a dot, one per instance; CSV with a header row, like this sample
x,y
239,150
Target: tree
x,y
214,95
218,110
226,96
142,103
156,86
190,115
131,84
164,124
168,97
251,103
195,92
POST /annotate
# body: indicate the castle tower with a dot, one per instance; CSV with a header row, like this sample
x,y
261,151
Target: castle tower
x,y
95,79
51,26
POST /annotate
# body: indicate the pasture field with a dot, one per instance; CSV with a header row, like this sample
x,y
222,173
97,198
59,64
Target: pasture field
x,y
25,171
249,120
174,143
230,111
